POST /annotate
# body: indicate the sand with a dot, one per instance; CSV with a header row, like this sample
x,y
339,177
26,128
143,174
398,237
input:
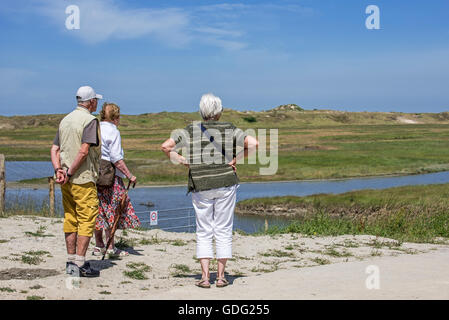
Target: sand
x,y
289,266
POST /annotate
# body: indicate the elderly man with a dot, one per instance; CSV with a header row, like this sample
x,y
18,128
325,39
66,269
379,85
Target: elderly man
x,y
75,155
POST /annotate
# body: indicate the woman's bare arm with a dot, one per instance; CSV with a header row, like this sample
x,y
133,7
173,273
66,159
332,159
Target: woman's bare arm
x,y
250,146
168,148
121,165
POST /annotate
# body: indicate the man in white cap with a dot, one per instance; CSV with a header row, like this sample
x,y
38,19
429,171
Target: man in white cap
x,y
75,155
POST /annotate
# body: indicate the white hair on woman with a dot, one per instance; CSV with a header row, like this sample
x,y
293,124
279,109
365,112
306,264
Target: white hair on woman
x,y
210,106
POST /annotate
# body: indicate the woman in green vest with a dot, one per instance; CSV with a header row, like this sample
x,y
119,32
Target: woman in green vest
x,y
211,156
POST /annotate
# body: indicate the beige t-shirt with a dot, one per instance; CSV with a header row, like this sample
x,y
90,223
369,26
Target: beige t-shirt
x,y
90,134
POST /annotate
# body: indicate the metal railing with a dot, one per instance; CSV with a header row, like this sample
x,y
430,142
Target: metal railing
x,y
189,219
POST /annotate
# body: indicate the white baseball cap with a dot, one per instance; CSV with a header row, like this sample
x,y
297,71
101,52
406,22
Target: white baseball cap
x,y
86,93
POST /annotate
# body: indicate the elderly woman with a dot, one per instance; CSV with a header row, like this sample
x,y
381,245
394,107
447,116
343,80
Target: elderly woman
x,y
212,181
111,150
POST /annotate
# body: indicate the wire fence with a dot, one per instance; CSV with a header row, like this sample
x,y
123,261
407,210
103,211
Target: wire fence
x,y
176,219
24,170
160,220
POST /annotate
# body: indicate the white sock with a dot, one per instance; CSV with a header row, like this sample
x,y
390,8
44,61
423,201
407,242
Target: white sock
x,y
79,260
71,258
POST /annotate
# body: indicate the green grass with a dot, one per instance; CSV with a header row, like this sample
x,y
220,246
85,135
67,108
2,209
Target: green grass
x,y
153,240
178,243
25,205
125,243
376,253
139,266
35,298
312,144
135,274
39,233
320,261
179,270
104,292
34,257
137,271
37,253
33,260
412,213
335,253
274,267
277,253
36,287
6,289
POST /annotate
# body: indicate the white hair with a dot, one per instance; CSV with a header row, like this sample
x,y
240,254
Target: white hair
x,y
210,106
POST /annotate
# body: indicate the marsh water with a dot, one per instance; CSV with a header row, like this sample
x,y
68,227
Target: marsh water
x,y
174,206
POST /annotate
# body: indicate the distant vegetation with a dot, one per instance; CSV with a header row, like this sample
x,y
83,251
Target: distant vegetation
x,y
250,119
316,144
288,107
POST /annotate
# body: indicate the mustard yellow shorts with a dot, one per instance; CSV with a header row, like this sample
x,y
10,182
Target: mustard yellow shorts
x,y
80,203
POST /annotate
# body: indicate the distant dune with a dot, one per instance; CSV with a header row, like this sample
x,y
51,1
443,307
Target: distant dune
x,y
283,113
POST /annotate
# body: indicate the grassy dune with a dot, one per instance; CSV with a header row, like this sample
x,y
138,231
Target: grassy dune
x,y
411,213
316,144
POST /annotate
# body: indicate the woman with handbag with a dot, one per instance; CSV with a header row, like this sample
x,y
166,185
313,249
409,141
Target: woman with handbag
x,y
110,185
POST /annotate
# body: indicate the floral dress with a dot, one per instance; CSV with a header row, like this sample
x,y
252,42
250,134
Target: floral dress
x,y
109,202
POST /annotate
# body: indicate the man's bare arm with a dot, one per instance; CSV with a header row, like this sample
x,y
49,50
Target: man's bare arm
x,y
55,156
55,152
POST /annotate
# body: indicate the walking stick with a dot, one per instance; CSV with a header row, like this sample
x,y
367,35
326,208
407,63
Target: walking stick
x,y
117,217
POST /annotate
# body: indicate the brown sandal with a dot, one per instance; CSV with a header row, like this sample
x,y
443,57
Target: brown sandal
x,y
223,284
203,283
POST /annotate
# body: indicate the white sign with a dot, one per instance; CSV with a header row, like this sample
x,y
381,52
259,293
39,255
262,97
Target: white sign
x,y
153,218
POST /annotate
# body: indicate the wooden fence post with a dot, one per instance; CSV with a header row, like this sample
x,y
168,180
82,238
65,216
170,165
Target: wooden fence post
x,y
51,188
2,183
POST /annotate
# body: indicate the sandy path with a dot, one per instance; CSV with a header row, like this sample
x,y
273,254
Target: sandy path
x,y
32,265
423,276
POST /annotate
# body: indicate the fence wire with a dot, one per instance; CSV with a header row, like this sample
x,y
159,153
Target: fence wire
x,y
23,170
188,224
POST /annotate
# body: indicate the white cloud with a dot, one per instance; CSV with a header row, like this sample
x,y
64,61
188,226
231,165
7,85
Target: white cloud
x,y
102,20
222,25
105,19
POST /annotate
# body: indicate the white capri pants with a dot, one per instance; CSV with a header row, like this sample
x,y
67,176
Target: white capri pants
x,y
214,219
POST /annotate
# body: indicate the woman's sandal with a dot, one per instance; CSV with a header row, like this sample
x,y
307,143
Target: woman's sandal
x,y
98,251
223,284
203,283
117,252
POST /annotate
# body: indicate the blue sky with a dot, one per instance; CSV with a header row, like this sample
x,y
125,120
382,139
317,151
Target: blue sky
x,y
152,56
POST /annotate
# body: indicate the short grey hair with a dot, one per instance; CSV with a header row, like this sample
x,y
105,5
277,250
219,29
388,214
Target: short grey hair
x,y
83,103
210,106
